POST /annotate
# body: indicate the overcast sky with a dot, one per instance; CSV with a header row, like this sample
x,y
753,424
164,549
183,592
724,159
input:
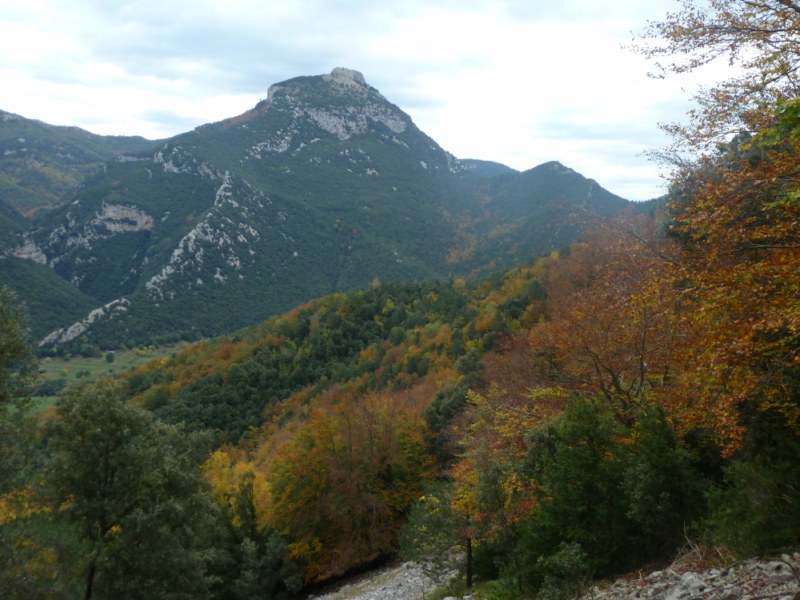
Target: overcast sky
x,y
515,81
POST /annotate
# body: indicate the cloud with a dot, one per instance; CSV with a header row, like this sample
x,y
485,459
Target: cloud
x,y
513,81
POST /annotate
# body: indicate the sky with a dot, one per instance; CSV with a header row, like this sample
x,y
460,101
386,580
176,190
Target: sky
x,y
519,82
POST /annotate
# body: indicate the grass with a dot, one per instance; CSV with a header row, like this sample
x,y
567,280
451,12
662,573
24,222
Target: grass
x,y
88,369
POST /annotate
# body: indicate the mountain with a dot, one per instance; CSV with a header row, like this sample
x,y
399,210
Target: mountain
x,y
323,186
39,163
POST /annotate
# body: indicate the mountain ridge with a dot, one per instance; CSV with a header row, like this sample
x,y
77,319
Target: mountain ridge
x,y
323,186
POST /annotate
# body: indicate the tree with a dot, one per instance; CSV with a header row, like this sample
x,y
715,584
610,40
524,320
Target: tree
x,y
17,366
134,488
737,279
435,535
258,567
17,372
341,483
736,282
760,37
607,333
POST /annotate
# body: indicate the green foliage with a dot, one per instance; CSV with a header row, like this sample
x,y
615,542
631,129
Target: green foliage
x,y
324,214
663,485
17,367
40,163
618,496
258,567
579,463
756,509
17,373
40,559
565,572
447,403
469,363
50,387
321,343
263,571
51,301
434,533
17,370
134,488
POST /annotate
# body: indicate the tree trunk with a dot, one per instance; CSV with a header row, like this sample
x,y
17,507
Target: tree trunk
x,y
469,562
90,572
89,580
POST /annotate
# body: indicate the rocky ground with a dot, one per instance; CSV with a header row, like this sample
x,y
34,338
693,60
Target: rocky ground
x,y
406,581
776,578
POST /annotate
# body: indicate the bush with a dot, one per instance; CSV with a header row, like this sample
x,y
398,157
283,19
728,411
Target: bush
x,y
580,466
663,486
756,509
565,572
50,387
611,495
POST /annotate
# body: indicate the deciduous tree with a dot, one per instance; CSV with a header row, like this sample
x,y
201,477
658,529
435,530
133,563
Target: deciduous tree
x,y
133,486
760,37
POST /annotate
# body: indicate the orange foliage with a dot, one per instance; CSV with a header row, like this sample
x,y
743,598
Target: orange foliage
x,y
738,283
607,333
341,482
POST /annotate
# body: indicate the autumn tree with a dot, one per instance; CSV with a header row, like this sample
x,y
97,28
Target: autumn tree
x,y
761,38
735,217
606,332
737,280
341,483
734,209
257,567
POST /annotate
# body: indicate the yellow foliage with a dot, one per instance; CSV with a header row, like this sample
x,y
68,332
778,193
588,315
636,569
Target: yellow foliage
x,y
368,354
19,504
225,471
485,320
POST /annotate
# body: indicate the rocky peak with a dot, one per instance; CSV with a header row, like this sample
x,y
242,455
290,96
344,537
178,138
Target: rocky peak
x,y
348,77
340,82
340,102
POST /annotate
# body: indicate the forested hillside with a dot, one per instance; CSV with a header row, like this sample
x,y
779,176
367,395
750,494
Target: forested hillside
x,y
41,163
582,416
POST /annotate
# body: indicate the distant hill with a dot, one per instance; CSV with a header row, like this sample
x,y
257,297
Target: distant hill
x,y
50,300
40,163
323,186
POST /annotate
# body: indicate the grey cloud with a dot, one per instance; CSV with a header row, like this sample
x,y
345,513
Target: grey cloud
x,y
207,49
